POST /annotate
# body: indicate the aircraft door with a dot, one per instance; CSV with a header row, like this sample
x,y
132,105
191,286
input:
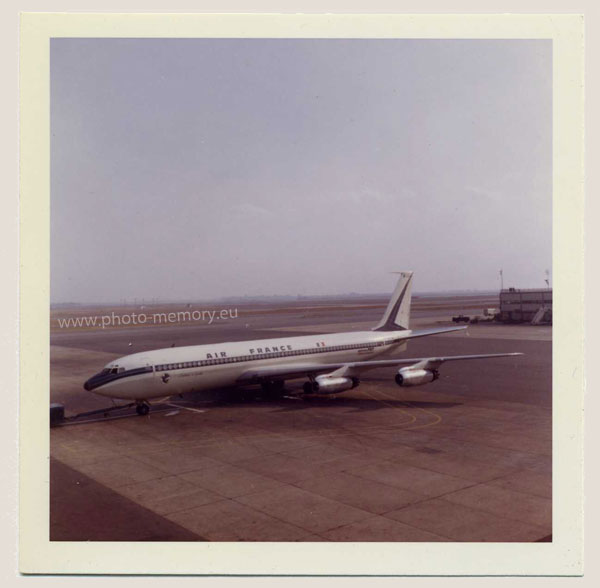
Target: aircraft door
x,y
148,365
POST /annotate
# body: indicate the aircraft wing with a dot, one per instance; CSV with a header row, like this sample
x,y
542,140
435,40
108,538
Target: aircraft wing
x,y
282,372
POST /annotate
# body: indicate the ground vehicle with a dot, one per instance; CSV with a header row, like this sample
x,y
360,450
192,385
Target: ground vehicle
x,y
461,318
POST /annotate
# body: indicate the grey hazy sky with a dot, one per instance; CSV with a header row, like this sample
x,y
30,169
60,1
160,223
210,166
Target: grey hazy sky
x,y
200,168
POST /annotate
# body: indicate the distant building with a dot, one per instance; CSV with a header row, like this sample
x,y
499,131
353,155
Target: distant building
x,y
526,305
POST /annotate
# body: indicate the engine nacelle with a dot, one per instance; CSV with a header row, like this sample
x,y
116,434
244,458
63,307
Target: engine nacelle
x,y
415,377
328,385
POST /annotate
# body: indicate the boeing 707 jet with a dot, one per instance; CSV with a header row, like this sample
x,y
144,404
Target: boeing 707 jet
x,y
330,363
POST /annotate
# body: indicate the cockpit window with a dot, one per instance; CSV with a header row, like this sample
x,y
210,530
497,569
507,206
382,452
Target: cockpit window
x,y
105,371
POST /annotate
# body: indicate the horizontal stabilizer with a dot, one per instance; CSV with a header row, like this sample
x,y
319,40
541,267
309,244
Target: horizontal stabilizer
x,y
427,332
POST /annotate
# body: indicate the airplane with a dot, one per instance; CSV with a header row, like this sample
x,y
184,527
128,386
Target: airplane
x,y
331,363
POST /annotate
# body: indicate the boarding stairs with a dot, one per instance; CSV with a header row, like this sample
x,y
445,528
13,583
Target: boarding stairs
x,y
539,315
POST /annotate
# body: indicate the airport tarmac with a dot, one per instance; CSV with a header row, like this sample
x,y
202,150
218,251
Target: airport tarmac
x,y
466,458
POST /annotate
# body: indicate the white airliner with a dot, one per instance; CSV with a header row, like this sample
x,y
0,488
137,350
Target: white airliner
x,y
330,363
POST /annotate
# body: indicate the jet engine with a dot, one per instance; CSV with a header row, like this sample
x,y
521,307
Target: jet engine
x,y
329,385
415,377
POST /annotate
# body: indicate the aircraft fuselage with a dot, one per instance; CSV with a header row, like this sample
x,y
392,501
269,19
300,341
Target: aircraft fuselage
x,y
177,370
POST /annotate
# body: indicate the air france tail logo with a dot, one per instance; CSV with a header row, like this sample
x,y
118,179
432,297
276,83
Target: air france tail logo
x,y
165,378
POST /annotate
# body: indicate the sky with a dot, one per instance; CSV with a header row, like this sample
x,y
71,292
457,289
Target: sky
x,y
200,168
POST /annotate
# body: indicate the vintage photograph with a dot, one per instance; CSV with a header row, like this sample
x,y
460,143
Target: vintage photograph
x,y
301,290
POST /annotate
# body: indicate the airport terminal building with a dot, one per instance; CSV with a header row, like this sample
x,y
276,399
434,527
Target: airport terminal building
x,y
526,305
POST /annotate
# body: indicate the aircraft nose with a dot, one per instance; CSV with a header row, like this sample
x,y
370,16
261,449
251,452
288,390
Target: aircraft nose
x,y
95,381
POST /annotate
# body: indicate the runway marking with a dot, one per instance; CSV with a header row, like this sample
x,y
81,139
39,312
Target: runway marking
x,y
412,418
437,417
318,437
185,407
435,422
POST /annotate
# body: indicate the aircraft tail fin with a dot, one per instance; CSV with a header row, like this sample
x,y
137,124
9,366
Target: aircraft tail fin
x,y
397,313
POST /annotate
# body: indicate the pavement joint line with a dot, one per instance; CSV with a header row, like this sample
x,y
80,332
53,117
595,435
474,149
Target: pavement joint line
x,y
424,467
116,491
218,497
366,445
497,447
449,538
452,538
264,512
429,470
245,438
200,446
423,499
317,437
489,511
526,407
349,473
309,492
326,437
402,523
480,429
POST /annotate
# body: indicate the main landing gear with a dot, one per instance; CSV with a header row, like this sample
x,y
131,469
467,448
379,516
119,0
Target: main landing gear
x,y
308,387
273,388
142,408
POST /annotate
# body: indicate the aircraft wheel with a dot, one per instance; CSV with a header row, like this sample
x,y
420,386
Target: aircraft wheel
x,y
142,409
308,388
